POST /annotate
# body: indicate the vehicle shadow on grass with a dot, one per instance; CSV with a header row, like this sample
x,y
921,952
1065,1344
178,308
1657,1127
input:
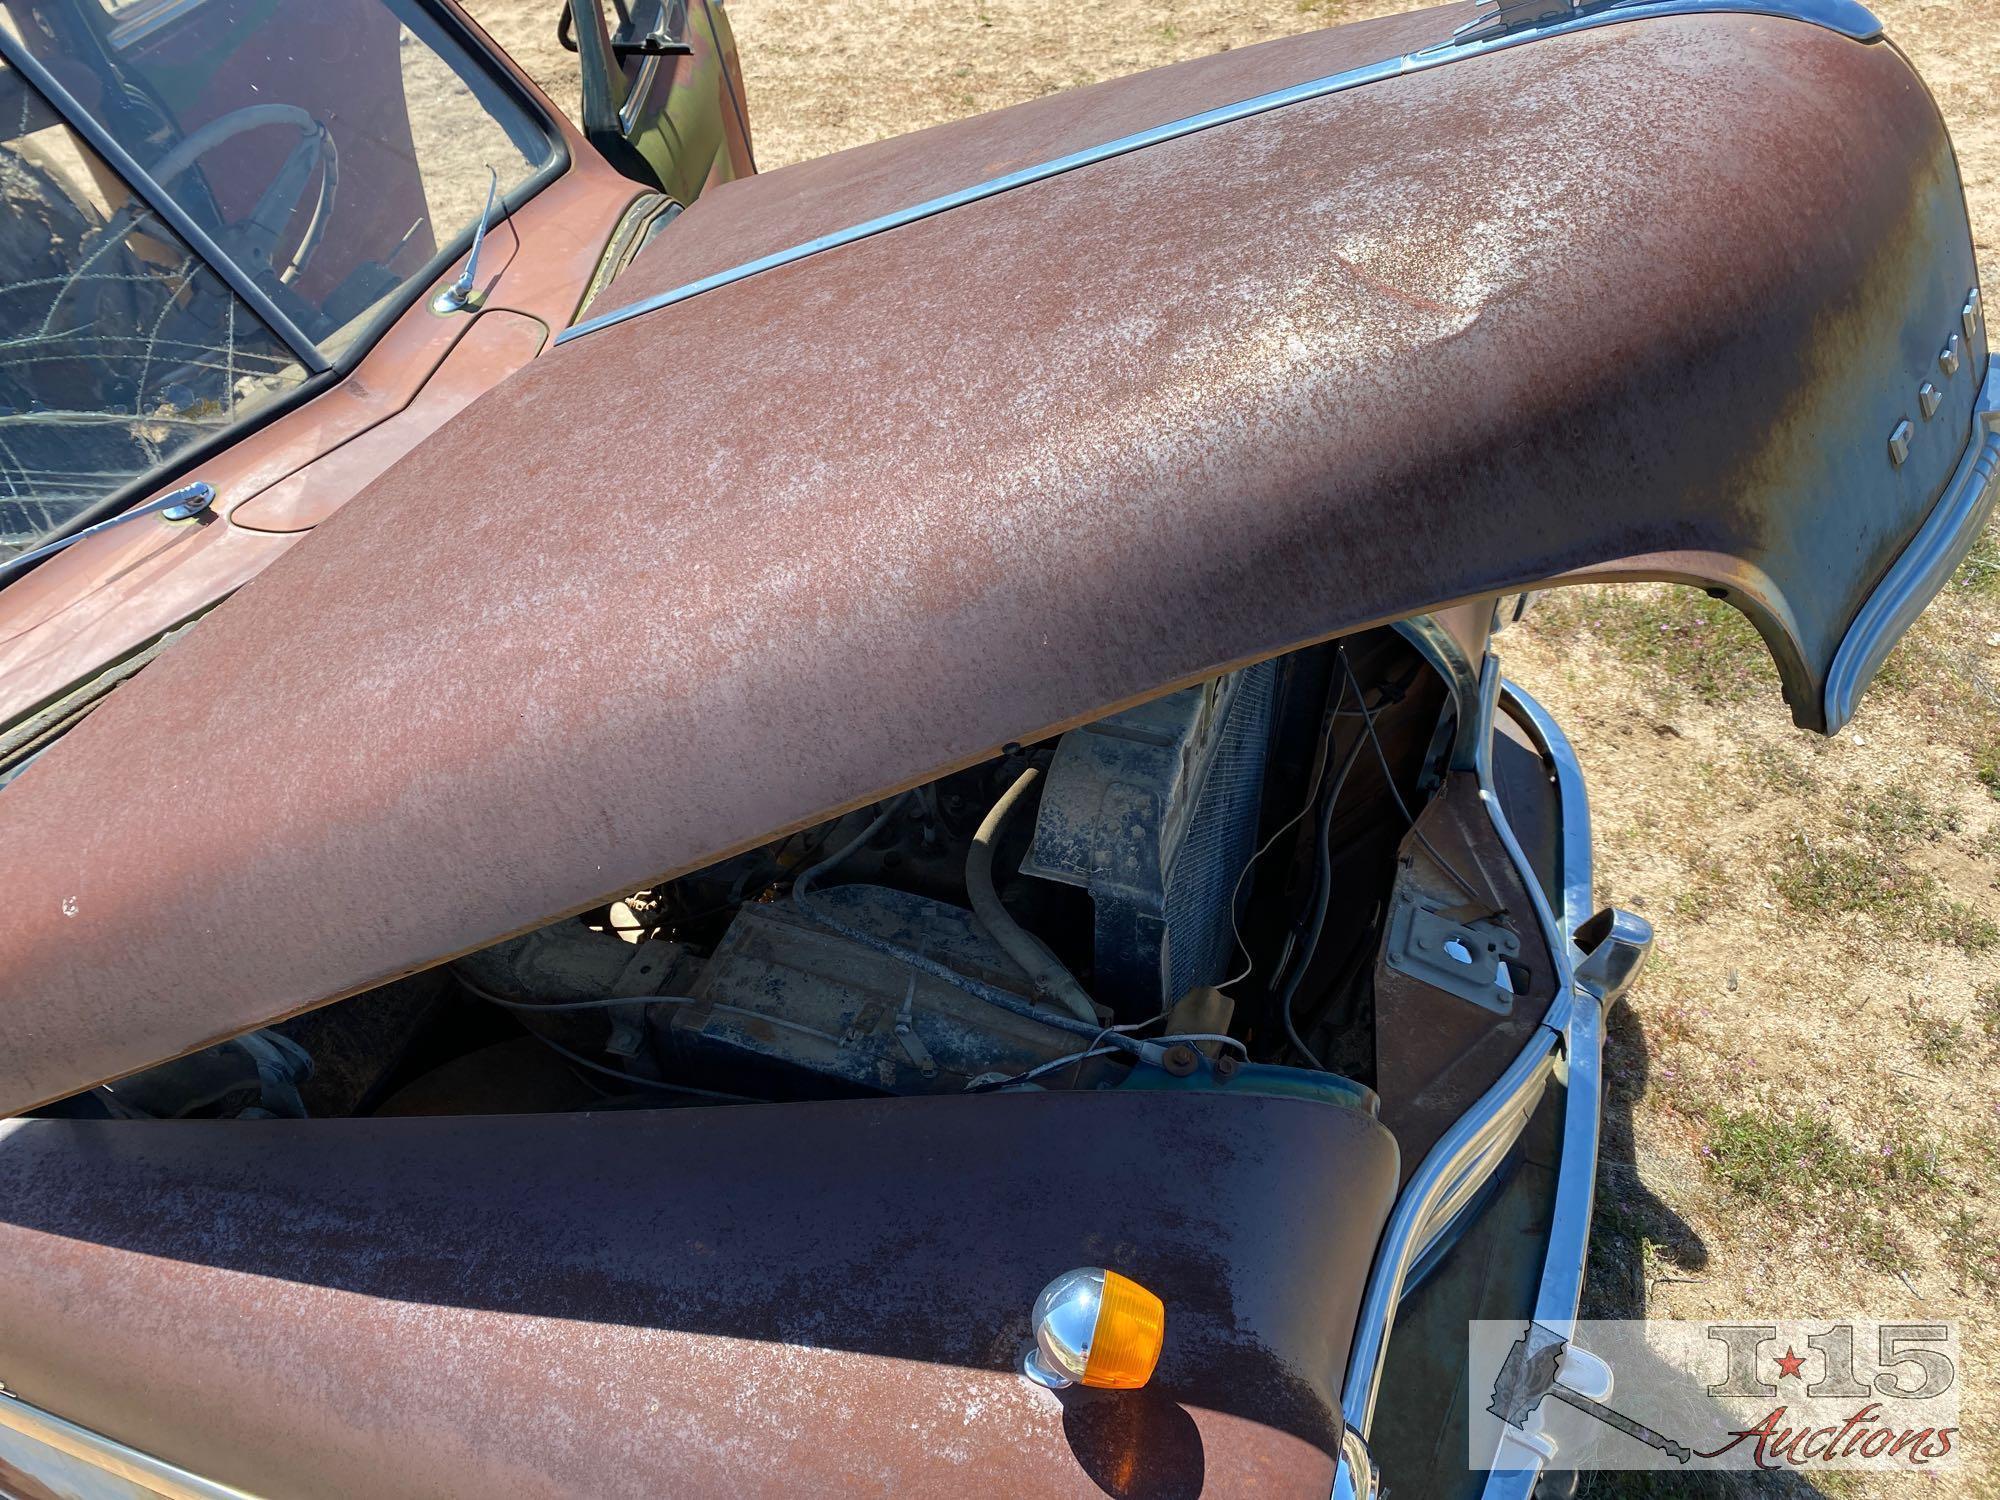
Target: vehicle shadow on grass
x,y
1631,1219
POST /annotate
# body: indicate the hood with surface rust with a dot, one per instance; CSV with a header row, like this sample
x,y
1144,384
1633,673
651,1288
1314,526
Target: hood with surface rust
x,y
1639,300
785,1299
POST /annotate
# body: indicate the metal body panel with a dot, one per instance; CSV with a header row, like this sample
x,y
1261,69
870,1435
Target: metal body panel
x,y
758,1300
1411,351
495,343
825,198
1437,1053
682,110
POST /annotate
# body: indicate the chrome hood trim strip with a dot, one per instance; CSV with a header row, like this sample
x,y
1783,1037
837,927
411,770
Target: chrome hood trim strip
x,y
1926,564
124,1467
1850,18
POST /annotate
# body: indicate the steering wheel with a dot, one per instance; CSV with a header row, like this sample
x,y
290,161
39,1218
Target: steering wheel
x,y
252,241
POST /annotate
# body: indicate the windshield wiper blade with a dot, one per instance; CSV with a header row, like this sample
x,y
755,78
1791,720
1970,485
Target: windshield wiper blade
x,y
183,504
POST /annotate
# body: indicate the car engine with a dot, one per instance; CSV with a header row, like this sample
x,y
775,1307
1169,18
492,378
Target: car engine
x,y
1137,898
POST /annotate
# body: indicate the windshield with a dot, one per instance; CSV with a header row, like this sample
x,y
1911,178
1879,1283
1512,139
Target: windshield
x,y
334,152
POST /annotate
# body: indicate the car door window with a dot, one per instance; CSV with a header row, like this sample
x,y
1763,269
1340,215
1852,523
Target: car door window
x,y
119,348
337,155
333,150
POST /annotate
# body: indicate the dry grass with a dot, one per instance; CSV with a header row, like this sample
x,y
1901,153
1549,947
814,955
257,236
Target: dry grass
x,y
1807,1115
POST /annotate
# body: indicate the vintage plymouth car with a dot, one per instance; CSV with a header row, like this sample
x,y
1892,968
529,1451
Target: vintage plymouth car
x,y
252,253
906,866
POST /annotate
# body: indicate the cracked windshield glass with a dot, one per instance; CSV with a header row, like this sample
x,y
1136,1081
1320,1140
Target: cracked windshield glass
x,y
333,193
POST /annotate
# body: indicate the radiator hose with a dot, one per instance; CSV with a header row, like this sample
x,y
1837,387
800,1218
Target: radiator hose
x,y
1048,973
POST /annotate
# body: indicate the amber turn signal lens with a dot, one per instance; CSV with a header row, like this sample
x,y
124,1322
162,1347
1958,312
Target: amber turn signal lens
x,y
1131,1326
1098,1328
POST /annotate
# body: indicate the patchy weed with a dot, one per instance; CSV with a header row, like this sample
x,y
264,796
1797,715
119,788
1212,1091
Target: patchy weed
x,y
1846,878
1986,1010
1979,574
1797,1163
1938,1040
1682,640
1972,1253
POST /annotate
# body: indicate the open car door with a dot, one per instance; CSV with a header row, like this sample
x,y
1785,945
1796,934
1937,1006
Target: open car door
x,y
662,91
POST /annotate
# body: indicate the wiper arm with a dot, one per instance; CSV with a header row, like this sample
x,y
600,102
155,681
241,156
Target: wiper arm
x,y
183,504
463,295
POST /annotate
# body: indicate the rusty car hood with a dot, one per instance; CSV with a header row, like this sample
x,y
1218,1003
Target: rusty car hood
x,y
751,1301
1637,300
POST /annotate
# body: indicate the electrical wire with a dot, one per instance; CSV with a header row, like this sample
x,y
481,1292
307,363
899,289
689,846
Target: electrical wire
x,y
1382,758
1051,1066
614,1001
1049,975
646,1083
1109,1034
1322,888
1312,798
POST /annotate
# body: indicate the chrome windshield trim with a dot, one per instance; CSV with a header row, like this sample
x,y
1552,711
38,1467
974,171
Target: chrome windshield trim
x,y
110,1455
1848,17
162,203
1926,565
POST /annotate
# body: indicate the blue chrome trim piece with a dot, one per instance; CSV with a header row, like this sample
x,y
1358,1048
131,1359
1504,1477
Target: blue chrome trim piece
x,y
1579,904
1561,950
1563,1262
1561,1290
1926,564
1848,17
123,1470
1457,1198
1468,1138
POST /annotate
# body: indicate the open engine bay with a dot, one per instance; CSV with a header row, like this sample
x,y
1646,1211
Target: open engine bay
x,y
1197,891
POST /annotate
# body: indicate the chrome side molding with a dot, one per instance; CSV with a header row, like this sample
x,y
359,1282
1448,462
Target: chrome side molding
x,y
126,1471
1926,565
1355,1476
1558,1295
1848,17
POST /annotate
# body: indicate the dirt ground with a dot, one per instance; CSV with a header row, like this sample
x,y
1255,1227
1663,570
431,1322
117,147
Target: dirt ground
x,y
1806,1108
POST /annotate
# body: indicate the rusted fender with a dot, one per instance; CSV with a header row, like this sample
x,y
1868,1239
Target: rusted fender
x,y
770,1300
1643,298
